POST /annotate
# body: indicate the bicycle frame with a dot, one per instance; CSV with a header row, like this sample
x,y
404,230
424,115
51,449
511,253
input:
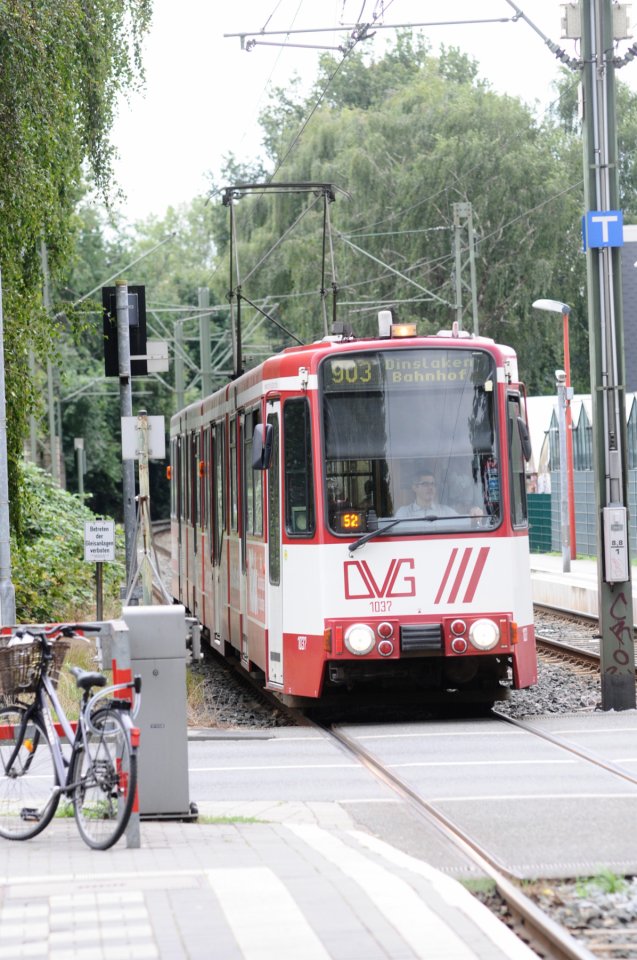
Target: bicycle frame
x,y
45,698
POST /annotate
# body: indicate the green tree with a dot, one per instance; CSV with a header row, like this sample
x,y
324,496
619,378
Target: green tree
x,y
407,137
62,65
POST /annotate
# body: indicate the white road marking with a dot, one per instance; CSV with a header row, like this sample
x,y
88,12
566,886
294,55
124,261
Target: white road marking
x,y
263,916
281,766
427,935
455,895
480,763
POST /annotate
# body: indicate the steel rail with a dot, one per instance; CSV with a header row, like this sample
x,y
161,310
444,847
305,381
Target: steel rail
x,y
573,748
541,930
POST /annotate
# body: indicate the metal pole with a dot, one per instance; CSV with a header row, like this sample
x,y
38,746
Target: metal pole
x,y
472,272
617,647
179,364
126,408
560,378
51,406
569,436
144,506
99,591
7,591
458,251
79,460
203,298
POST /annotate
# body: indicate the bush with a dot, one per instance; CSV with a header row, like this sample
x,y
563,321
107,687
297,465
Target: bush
x,y
52,582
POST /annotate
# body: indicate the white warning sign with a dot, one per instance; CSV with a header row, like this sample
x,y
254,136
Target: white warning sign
x,y
99,541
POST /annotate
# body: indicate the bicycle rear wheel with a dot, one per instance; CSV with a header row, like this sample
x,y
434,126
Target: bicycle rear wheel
x,y
28,778
104,772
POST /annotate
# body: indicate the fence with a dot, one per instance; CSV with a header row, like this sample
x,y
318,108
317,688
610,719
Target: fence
x,y
545,521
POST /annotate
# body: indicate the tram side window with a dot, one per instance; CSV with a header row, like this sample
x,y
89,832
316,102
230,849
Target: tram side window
x,y
299,483
194,476
183,479
274,506
188,495
252,479
516,459
173,477
234,509
219,461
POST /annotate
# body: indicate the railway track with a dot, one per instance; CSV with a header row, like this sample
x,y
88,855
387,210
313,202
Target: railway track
x,y
569,637
533,924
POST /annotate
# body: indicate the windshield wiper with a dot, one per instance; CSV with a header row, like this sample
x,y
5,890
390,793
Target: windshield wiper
x,y
428,519
373,533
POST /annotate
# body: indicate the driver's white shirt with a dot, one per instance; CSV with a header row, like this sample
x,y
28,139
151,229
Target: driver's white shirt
x,y
412,510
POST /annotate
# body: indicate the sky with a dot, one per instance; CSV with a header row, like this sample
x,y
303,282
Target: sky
x,y
203,92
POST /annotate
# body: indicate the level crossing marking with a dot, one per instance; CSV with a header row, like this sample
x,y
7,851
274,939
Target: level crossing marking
x,y
454,894
480,763
263,916
506,798
427,935
279,766
436,735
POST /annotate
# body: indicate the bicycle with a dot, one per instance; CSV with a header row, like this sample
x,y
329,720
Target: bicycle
x,y
99,775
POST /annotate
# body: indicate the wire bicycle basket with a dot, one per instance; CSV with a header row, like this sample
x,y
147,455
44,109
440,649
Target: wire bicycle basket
x,y
21,663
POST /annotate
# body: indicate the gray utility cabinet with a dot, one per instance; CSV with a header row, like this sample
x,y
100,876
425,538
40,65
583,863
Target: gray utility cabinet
x,y
158,637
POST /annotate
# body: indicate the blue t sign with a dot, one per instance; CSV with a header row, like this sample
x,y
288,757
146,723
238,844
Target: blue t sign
x,y
604,228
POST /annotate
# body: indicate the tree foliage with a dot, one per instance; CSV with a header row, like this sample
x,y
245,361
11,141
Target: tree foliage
x,y
52,581
408,137
62,63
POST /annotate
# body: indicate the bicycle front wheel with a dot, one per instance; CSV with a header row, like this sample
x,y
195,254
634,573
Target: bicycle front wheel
x,y
28,778
103,776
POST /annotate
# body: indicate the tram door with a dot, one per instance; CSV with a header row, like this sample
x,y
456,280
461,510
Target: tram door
x,y
274,586
218,522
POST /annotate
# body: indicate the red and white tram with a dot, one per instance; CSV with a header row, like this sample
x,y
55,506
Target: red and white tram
x,y
289,544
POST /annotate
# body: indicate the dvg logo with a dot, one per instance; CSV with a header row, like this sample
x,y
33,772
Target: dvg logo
x,y
458,583
360,583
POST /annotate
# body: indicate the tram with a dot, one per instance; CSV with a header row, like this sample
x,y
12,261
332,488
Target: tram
x,y
354,511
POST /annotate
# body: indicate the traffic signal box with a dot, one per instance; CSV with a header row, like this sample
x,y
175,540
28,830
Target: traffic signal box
x,y
136,326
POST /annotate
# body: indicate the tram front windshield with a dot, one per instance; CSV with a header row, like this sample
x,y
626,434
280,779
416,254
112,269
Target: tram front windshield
x,y
410,441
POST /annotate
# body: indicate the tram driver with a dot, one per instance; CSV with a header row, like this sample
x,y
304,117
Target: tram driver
x,y
426,503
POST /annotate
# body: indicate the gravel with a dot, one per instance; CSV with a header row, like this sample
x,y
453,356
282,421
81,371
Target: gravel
x,y
228,701
559,690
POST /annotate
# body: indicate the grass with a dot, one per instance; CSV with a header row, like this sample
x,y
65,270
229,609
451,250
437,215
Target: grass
x,y
200,713
229,819
82,655
479,885
603,882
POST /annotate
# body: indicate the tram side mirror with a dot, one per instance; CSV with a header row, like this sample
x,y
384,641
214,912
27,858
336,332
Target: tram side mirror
x,y
525,439
261,446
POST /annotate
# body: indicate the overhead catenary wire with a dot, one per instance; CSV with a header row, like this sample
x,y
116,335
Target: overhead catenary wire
x,y
419,203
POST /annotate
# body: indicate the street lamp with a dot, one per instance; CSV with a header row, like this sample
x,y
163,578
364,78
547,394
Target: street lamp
x,y
565,394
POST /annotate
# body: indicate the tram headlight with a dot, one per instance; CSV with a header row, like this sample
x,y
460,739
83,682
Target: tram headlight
x,y
359,639
484,634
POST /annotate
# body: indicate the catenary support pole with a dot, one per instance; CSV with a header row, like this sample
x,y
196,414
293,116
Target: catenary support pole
x,y
601,191
144,507
126,409
179,365
203,296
